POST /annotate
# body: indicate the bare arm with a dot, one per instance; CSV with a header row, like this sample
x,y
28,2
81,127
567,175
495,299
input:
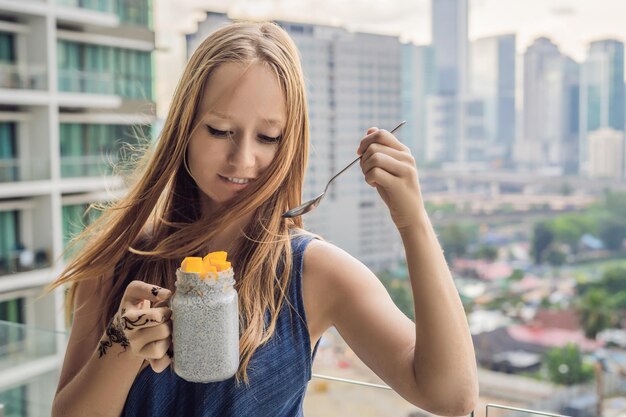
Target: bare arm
x,y
98,372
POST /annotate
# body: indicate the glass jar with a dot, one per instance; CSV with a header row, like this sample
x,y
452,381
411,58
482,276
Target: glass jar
x,y
205,327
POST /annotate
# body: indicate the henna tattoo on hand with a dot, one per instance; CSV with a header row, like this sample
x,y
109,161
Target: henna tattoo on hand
x,y
140,321
114,334
155,290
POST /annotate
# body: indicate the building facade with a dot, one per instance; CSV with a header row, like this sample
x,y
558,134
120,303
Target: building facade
x,y
76,83
601,93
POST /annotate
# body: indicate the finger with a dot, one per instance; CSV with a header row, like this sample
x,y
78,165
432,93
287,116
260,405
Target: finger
x,y
161,364
378,177
138,292
155,350
144,337
390,164
372,130
374,148
136,319
383,137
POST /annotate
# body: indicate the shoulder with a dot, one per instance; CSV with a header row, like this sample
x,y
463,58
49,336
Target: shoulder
x,y
335,273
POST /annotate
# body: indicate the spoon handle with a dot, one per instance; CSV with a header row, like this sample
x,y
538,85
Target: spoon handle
x,y
359,157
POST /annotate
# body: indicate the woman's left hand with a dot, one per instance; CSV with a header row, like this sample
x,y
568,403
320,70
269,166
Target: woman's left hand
x,y
389,167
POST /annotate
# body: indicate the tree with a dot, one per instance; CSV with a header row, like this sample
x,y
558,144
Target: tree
x,y
454,241
555,257
565,366
542,239
490,253
595,312
613,232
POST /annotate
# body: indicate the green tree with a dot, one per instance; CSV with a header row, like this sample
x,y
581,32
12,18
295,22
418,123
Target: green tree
x,y
565,366
613,232
542,239
490,253
595,312
555,257
454,241
614,280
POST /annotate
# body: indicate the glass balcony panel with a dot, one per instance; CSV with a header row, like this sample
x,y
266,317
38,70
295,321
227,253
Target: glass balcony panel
x,y
28,77
107,6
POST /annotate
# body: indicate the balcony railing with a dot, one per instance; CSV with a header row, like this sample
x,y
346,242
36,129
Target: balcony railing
x,y
29,355
28,77
87,166
30,169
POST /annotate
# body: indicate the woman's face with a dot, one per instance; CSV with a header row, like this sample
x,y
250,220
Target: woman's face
x,y
242,118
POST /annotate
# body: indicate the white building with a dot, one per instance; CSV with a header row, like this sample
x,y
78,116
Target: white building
x,y
75,81
353,83
606,153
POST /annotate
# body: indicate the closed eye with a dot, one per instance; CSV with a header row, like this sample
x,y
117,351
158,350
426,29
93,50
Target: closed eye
x,y
218,133
270,139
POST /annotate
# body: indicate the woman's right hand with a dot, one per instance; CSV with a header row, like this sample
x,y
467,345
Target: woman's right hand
x,y
148,329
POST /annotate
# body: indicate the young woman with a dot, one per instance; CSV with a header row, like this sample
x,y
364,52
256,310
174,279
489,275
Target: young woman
x,y
230,160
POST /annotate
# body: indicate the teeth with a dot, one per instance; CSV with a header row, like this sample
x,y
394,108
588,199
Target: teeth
x,y
238,180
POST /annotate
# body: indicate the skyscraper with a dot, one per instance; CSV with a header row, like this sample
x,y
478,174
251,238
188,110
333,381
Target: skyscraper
x,y
75,83
447,112
449,38
550,87
492,80
418,81
601,92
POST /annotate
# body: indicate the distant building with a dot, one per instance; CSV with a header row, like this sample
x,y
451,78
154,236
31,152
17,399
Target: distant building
x,y
450,41
354,81
606,153
444,110
601,94
492,80
550,110
419,81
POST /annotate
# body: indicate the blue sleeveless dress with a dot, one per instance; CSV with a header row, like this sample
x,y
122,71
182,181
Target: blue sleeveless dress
x,y
278,372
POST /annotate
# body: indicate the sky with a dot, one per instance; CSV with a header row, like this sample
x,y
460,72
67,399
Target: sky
x,y
571,24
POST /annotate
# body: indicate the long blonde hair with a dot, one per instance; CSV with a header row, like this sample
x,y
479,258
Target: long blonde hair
x,y
164,200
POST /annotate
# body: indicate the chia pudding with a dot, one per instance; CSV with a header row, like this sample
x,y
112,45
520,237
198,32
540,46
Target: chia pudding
x,y
205,331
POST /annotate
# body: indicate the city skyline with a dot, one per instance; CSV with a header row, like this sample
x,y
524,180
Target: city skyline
x,y
600,19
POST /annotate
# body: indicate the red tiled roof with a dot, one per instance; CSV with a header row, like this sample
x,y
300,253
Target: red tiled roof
x,y
552,337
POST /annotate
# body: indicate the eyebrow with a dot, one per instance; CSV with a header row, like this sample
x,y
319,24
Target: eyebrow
x,y
270,121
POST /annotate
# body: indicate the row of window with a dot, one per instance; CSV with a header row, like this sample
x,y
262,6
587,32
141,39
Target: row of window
x,y
131,12
103,69
94,149
86,149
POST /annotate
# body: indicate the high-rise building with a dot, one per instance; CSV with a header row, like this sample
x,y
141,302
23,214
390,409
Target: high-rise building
x,y
450,40
492,80
606,153
447,108
550,111
75,82
601,92
353,83
418,81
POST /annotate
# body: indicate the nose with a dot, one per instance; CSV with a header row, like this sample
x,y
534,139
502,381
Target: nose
x,y
242,153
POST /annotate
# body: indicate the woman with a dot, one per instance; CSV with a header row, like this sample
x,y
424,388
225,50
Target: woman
x,y
230,160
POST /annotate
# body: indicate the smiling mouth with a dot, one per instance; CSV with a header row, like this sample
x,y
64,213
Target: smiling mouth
x,y
236,181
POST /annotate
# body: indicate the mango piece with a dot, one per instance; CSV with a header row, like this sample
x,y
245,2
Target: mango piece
x,y
221,265
207,267
217,256
191,264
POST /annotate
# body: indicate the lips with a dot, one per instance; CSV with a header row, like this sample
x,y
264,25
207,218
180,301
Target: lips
x,y
233,184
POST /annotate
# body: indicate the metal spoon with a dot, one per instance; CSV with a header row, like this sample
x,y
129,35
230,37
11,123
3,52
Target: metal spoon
x,y
311,204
